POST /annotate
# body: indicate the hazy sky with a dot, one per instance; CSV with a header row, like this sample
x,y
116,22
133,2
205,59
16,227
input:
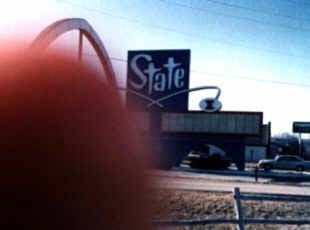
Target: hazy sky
x,y
256,51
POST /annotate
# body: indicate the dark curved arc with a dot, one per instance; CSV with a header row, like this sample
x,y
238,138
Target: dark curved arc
x,y
53,31
103,57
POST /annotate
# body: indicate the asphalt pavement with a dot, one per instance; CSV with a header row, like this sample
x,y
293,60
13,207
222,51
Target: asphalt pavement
x,y
273,175
201,181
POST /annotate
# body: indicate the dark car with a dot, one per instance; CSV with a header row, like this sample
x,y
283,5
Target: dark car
x,y
207,157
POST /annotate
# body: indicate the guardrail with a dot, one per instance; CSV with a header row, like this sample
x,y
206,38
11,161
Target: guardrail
x,y
240,221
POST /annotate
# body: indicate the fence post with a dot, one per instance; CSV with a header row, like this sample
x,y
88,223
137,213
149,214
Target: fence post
x,y
238,208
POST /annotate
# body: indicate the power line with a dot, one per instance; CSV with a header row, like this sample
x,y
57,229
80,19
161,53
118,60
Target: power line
x,y
226,75
117,59
276,14
297,2
235,17
190,35
252,79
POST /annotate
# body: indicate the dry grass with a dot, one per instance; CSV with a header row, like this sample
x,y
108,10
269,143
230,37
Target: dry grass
x,y
179,205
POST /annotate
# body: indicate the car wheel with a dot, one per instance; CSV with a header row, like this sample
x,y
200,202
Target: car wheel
x,y
300,168
195,164
267,168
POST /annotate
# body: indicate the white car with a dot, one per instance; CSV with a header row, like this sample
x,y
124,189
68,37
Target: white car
x,y
288,162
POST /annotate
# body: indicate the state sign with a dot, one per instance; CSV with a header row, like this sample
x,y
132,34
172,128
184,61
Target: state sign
x,y
155,74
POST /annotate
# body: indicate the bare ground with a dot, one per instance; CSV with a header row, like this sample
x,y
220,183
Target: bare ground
x,y
182,205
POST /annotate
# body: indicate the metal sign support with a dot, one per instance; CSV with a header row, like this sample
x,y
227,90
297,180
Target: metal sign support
x,y
300,153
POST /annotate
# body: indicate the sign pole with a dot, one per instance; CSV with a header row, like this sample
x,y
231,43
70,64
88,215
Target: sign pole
x,y
300,145
301,127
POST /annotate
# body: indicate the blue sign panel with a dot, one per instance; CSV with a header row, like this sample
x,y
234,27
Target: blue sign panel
x,y
154,75
301,127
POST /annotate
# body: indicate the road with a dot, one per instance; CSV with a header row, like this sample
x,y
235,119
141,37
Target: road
x,y
199,182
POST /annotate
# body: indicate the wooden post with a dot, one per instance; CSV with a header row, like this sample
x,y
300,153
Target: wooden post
x,y
238,208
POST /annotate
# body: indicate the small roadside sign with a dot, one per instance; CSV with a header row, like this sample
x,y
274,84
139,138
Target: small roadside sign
x,y
301,127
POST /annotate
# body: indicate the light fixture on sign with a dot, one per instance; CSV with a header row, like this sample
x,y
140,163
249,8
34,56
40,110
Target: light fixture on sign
x,y
211,104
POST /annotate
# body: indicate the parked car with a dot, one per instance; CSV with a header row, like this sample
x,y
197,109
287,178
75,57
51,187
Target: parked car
x,y
207,157
288,162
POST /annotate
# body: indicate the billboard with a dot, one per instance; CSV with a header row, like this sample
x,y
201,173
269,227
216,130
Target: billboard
x,y
155,74
301,127
221,123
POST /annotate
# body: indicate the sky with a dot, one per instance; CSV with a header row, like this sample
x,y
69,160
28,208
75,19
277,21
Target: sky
x,y
256,51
